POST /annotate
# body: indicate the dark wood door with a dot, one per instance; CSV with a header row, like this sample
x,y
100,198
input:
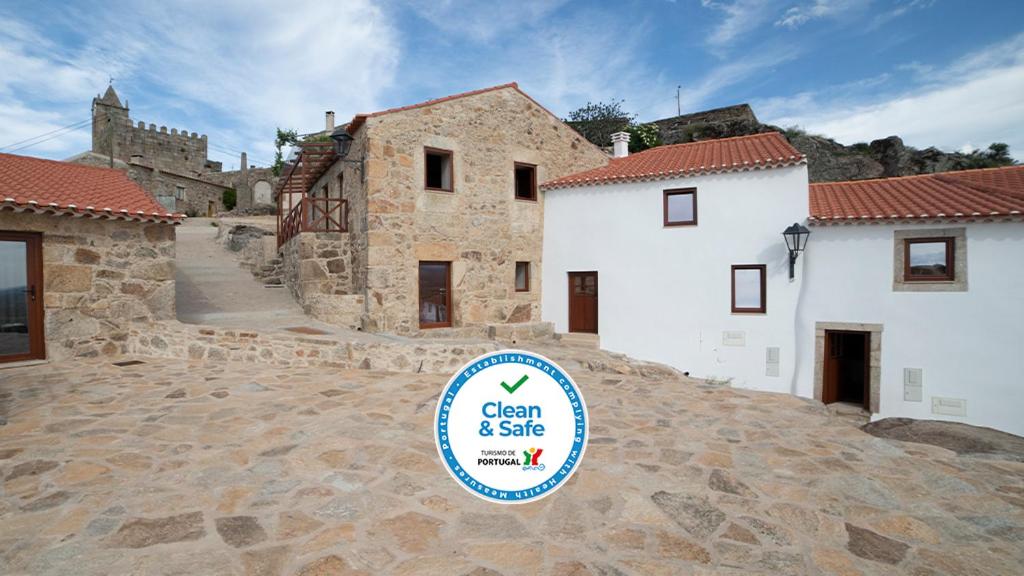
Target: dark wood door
x,y
583,302
435,294
846,370
21,297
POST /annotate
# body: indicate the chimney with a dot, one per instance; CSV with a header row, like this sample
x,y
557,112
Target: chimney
x,y
329,120
620,144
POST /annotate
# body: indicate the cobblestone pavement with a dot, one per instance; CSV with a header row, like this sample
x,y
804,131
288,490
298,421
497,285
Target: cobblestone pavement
x,y
168,467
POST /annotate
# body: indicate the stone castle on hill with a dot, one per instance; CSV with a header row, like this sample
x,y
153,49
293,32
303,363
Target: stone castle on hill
x,y
171,165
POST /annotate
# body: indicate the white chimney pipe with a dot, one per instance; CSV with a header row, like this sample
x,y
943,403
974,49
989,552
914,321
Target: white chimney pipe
x,y
620,144
329,120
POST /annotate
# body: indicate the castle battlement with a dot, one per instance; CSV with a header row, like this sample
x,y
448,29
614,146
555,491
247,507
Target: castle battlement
x,y
113,132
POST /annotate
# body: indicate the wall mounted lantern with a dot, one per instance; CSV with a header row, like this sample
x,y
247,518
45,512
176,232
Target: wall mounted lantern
x,y
796,240
342,146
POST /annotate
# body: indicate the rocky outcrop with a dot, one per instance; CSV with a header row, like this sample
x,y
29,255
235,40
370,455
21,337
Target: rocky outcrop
x,y
827,160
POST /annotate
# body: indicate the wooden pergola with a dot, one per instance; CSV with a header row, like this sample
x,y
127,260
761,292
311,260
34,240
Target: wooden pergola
x,y
299,176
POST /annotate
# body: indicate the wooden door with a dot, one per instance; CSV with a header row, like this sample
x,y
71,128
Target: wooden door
x,y
435,294
846,370
21,297
583,302
211,209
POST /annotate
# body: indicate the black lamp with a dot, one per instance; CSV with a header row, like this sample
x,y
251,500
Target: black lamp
x,y
796,240
342,146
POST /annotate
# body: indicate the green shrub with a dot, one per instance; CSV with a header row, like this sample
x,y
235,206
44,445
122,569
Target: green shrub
x,y
230,198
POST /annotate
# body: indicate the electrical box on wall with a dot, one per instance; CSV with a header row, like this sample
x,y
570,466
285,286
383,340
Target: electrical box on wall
x,y
912,384
734,338
772,361
949,406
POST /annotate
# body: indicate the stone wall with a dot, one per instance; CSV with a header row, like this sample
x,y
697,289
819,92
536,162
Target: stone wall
x,y
480,227
177,340
99,276
181,151
317,269
198,194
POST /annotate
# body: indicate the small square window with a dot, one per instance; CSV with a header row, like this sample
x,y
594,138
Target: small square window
x,y
522,276
749,288
179,192
438,169
681,207
928,259
526,181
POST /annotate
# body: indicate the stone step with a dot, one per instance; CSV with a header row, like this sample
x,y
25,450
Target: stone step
x,y
273,280
580,340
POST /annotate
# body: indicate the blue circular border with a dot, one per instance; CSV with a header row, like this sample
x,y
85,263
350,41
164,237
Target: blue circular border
x,y
461,475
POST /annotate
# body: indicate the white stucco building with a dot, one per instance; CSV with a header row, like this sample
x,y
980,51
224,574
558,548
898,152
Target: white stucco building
x,y
676,255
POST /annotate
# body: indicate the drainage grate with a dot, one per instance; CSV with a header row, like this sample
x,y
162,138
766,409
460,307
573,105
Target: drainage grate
x,y
124,363
305,330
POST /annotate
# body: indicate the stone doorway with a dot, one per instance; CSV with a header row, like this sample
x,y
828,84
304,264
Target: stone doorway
x,y
840,349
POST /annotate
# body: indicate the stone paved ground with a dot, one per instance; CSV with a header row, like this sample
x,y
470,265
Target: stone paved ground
x,y
175,468
212,289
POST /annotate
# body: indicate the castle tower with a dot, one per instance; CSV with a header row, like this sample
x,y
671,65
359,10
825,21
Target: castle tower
x,y
110,125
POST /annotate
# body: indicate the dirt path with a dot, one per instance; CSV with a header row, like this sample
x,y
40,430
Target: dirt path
x,y
211,288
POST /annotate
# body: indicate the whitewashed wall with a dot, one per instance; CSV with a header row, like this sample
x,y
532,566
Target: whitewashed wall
x,y
664,292
968,344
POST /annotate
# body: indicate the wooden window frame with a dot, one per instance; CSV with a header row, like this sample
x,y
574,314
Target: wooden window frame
x,y
764,288
341,184
533,181
36,314
678,192
517,288
950,243
427,150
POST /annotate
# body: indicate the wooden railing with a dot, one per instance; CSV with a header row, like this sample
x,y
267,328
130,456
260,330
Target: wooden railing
x,y
313,215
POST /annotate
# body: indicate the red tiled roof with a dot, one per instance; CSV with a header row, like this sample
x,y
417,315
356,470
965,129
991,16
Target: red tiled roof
x,y
968,194
769,150
52,187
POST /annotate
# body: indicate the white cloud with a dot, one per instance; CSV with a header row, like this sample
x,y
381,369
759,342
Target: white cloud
x,y
250,65
741,17
799,15
975,99
484,21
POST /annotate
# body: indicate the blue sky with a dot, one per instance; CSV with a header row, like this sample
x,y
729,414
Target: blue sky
x,y
937,72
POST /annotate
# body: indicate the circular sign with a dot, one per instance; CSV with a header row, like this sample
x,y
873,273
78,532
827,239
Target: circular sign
x,y
511,426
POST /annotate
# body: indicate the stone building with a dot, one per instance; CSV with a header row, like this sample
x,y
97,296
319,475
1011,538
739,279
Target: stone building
x,y
431,217
84,252
172,166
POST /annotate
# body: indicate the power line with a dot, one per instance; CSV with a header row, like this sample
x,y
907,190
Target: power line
x,y
69,127
79,127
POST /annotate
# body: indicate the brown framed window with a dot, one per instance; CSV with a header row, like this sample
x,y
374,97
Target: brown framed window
x,y
439,169
681,207
526,181
749,288
928,259
522,276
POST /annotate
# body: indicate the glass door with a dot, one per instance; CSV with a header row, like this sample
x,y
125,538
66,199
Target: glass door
x,y
435,294
21,297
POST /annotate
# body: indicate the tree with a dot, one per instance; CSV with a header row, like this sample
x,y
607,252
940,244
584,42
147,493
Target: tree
x,y
643,136
598,121
996,155
284,138
230,199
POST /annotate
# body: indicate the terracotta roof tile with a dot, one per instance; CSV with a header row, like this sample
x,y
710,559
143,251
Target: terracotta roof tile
x,y
969,193
768,150
48,186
